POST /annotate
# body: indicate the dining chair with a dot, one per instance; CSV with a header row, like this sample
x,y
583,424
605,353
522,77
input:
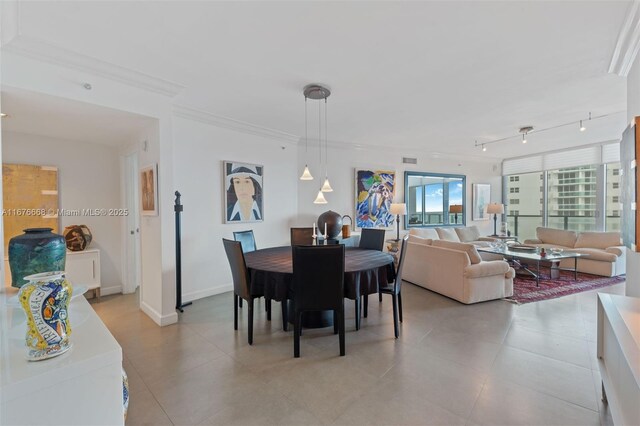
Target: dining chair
x,y
318,288
301,236
394,289
248,242
240,275
247,239
371,239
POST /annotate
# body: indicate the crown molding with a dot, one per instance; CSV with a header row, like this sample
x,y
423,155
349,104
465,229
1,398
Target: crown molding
x,y
53,54
628,42
195,114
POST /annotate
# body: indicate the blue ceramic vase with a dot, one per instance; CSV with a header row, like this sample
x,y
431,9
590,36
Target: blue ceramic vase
x,y
37,250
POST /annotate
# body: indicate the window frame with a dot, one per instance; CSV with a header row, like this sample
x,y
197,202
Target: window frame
x,y
445,199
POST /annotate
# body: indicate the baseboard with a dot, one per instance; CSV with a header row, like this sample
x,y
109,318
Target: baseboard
x,y
195,295
105,291
161,320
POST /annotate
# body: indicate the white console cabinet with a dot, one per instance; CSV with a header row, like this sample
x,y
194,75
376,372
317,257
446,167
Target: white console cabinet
x,y
83,267
80,387
619,356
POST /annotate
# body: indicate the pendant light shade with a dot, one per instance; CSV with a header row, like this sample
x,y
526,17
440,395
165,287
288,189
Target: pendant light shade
x,y
326,187
320,198
306,175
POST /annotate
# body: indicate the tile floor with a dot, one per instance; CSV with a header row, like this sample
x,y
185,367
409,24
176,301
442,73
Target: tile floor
x,y
489,363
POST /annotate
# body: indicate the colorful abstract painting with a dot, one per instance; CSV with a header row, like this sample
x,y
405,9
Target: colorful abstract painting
x,y
374,195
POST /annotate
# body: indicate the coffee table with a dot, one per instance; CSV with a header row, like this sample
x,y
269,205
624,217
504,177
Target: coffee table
x,y
517,257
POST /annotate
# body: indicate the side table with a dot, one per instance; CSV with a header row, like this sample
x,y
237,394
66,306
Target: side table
x,y
393,247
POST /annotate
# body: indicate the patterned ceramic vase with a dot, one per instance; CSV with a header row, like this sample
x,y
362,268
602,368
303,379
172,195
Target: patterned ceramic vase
x,y
37,250
45,299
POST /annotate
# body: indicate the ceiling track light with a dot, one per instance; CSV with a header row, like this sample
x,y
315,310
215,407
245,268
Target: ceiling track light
x,y
3,115
524,131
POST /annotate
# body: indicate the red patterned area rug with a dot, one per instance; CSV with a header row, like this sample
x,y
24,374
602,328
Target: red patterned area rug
x,y
526,291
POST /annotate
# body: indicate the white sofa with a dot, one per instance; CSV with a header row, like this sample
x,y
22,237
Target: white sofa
x,y
605,249
459,234
456,270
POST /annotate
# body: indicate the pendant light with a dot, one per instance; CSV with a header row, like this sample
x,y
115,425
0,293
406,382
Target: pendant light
x,y
306,174
326,187
317,92
320,198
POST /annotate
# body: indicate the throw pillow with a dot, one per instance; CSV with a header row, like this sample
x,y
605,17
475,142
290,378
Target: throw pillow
x,y
448,234
473,254
468,233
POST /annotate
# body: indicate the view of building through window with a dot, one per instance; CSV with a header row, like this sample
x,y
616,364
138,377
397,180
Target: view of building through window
x,y
573,202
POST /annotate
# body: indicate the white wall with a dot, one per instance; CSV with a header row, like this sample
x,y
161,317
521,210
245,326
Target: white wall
x,y
199,150
158,282
88,178
633,110
344,160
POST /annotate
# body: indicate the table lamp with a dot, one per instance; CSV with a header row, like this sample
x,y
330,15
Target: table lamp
x,y
455,209
495,209
398,209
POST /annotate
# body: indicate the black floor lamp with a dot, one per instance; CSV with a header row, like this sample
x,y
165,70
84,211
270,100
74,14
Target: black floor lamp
x,y
495,209
398,209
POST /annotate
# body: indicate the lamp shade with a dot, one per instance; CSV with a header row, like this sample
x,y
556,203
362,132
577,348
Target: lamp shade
x,y
455,208
320,199
398,209
495,208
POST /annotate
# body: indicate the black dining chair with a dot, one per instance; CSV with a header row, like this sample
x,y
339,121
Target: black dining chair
x,y
371,239
247,239
248,242
301,236
318,288
240,275
394,289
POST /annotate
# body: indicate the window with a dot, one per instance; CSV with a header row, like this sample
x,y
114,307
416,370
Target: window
x,y
514,190
612,220
523,221
571,198
428,197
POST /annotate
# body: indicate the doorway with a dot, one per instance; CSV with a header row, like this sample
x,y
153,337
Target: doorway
x,y
132,274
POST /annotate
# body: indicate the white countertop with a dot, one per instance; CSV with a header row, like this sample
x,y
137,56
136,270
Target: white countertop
x,y
93,348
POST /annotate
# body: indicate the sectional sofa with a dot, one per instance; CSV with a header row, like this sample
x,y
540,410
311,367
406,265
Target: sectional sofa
x,y
455,269
605,249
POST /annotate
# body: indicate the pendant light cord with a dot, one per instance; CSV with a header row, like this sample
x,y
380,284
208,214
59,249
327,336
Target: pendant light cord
x,y
326,141
306,134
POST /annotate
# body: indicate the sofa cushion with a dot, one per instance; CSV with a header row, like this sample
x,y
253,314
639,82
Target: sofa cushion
x,y
473,254
425,233
556,236
419,240
597,254
600,240
466,234
448,234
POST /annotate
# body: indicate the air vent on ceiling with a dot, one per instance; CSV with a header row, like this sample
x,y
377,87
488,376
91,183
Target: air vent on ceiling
x,y
408,160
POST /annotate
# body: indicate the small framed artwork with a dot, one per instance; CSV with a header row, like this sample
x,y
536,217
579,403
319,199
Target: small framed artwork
x,y
149,190
243,188
481,197
374,194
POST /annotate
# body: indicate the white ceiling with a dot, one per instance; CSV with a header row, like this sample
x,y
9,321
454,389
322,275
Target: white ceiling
x,y
44,115
417,75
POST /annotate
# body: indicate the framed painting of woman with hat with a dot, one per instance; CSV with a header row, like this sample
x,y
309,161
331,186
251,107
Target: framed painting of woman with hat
x,y
243,192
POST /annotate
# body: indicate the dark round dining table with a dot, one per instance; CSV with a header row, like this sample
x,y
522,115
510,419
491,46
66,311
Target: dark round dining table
x,y
271,272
